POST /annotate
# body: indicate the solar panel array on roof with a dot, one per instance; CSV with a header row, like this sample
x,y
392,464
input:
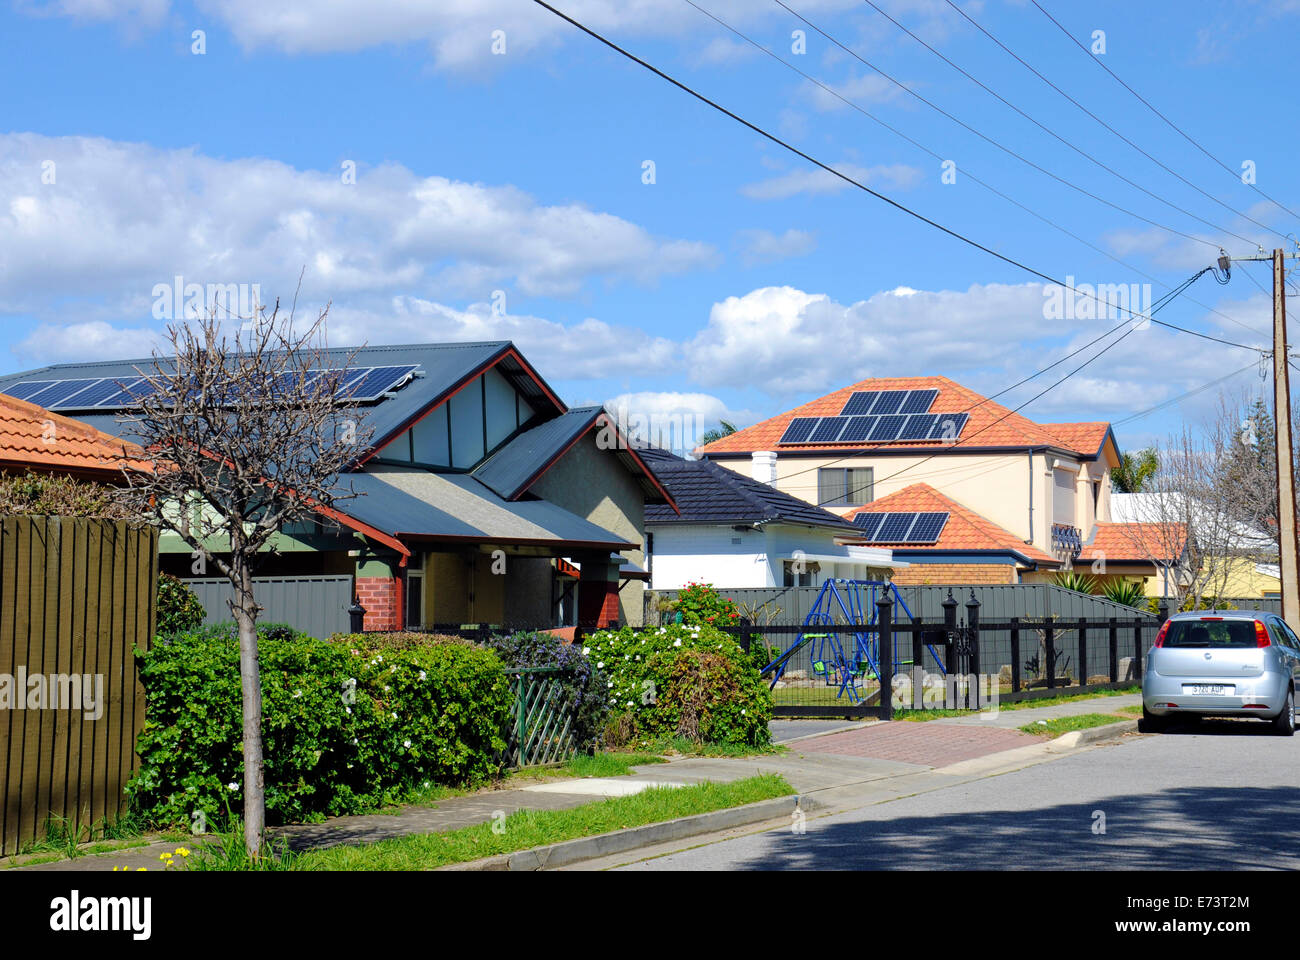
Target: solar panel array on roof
x,y
901,527
799,431
880,403
879,416
357,384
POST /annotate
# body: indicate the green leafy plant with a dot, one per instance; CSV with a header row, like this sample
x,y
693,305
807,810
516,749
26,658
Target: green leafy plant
x,y
658,682
179,609
701,604
54,496
349,724
1127,592
1073,580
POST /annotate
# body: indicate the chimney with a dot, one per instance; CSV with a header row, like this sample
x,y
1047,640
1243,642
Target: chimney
x,y
763,467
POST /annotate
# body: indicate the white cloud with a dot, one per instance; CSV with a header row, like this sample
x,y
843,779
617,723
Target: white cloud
x,y
861,89
764,246
96,340
814,180
119,218
677,421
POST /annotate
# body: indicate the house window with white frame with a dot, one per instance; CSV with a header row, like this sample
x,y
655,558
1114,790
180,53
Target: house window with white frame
x,y
844,486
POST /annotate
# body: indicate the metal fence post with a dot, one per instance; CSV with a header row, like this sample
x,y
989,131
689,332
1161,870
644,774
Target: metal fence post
x,y
950,628
1137,647
885,655
1049,653
1114,650
1083,651
973,625
745,625
1015,654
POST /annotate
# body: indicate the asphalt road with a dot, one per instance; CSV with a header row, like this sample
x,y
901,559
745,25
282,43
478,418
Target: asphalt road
x,y
1221,796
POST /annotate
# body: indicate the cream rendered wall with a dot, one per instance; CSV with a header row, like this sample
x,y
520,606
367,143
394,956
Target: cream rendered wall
x,y
994,485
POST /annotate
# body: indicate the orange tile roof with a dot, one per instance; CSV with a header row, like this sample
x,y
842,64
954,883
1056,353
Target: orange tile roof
x,y
990,423
965,529
31,437
1146,542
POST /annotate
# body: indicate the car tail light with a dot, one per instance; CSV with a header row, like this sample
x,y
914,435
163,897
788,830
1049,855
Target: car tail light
x,y
1254,706
1160,637
1211,618
1261,634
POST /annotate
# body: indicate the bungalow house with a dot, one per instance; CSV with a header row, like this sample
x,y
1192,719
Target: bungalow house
x,y
481,497
734,531
960,487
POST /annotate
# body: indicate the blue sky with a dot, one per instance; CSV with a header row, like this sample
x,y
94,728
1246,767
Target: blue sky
x,y
502,195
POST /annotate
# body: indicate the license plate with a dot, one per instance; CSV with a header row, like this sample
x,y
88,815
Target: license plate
x,y
1207,689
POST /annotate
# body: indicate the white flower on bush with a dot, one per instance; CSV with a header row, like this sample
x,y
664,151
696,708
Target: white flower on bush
x,y
407,743
297,694
422,674
677,643
586,651
601,665
232,786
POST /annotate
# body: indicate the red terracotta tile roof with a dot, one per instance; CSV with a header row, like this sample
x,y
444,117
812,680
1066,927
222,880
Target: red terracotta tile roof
x,y
990,423
33,438
965,529
1145,542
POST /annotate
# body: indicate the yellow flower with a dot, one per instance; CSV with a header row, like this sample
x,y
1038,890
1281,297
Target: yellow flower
x,y
182,851
138,869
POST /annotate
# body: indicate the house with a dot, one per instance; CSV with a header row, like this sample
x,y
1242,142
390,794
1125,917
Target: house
x,y
35,441
481,497
959,486
734,531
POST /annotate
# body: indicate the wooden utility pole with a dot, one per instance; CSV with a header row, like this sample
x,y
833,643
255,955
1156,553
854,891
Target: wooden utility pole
x,y
1289,561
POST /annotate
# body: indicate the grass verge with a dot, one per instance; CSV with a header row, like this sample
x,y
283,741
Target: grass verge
x,y
920,716
1080,721
519,831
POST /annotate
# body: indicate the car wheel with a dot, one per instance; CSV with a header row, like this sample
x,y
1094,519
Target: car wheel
x,y
1284,725
1150,723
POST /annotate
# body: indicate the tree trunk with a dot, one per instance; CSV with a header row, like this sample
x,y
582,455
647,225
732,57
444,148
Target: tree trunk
x,y
245,610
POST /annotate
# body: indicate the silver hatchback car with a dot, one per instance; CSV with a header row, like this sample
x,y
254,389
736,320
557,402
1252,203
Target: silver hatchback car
x,y
1222,663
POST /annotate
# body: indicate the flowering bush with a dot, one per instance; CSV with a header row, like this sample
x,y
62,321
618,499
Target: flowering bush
x,y
699,603
586,689
662,678
347,724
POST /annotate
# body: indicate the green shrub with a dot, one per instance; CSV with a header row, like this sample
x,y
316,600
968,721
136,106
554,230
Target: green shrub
x,y
661,681
1126,592
347,724
701,604
1073,580
179,609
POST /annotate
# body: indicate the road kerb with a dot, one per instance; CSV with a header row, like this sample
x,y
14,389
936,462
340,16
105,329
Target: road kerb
x,y
1077,738
620,841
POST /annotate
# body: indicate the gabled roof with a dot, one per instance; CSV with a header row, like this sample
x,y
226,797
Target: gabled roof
x,y
1085,438
965,531
990,424
32,438
522,462
708,493
444,368
408,503
1142,542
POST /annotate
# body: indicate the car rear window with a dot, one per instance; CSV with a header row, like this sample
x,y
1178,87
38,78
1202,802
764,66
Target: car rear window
x,y
1212,633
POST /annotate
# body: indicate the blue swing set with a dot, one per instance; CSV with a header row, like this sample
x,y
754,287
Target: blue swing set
x,y
856,603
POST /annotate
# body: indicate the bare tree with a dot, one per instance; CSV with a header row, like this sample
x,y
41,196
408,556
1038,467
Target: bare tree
x,y
245,434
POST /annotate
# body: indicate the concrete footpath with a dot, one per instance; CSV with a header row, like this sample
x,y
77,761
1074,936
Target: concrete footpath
x,y
830,764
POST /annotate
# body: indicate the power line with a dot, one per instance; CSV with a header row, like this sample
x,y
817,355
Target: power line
x,y
1182,396
1057,136
866,189
922,147
1236,175
1099,120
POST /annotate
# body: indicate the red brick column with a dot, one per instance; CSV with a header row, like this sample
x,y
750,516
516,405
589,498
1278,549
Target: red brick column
x,y
597,597
379,596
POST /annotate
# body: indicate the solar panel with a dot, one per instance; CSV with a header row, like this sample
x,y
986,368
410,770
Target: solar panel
x,y
857,429
799,431
21,391
918,426
829,430
870,523
886,428
130,395
106,388
948,426
858,404
376,381
56,394
918,401
888,401
927,527
895,527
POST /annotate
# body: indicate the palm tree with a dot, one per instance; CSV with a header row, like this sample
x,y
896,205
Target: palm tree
x,y
726,430
1134,470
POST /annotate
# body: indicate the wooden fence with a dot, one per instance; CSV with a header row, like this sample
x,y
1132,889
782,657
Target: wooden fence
x,y
75,597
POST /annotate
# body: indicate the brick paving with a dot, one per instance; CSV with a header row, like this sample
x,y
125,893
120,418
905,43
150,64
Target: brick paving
x,y
925,744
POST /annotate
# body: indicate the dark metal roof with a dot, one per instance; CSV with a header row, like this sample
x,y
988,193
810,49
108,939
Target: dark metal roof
x,y
708,493
513,468
401,502
444,367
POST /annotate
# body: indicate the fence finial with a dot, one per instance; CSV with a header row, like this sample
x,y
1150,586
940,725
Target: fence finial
x,y
950,596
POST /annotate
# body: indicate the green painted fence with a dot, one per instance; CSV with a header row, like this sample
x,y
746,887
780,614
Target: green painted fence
x,y
542,728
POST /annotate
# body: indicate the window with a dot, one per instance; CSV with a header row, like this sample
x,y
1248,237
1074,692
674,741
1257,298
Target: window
x,y
1063,497
802,579
844,487
415,592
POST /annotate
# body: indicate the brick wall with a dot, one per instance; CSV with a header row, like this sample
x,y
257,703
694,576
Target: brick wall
x,y
939,573
379,596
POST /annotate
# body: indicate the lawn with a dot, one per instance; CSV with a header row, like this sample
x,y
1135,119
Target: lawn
x,y
1080,721
522,830
923,715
